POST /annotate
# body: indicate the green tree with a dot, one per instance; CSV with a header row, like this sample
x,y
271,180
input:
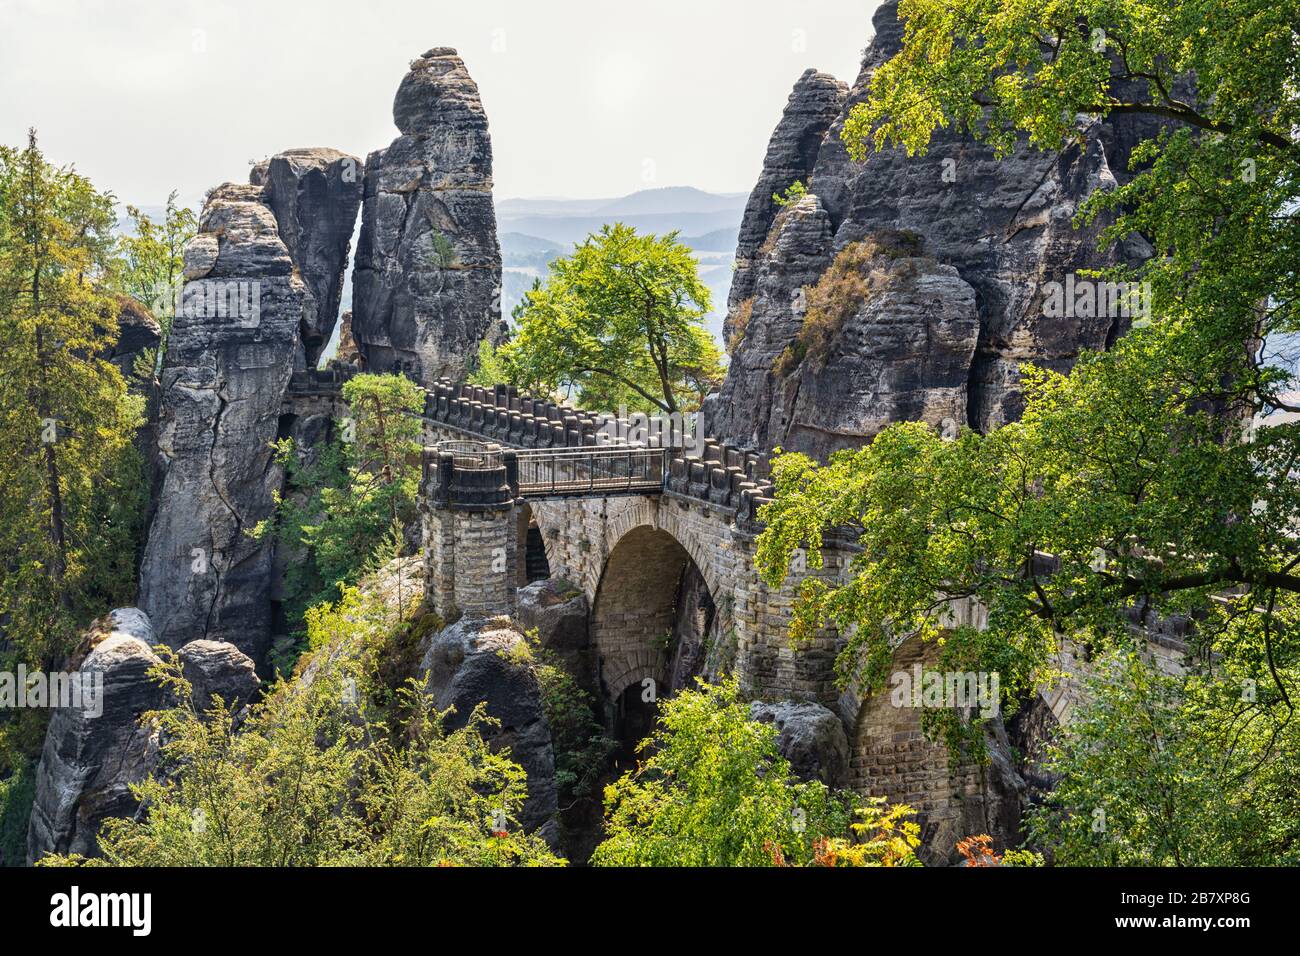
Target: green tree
x,y
347,505
1130,489
69,518
621,321
714,790
151,262
1165,770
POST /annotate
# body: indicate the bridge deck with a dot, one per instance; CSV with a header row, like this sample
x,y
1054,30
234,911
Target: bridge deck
x,y
545,472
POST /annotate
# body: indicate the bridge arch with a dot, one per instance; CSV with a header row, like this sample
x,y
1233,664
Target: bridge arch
x,y
650,623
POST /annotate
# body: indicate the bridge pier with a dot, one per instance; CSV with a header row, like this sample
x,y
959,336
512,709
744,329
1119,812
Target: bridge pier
x,y
470,534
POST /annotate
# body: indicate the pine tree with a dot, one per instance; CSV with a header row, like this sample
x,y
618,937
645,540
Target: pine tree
x,y
71,477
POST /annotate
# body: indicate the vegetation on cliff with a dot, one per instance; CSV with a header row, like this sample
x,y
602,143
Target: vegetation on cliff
x,y
1137,488
348,501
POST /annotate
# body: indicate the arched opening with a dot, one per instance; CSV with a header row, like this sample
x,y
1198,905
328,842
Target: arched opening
x,y
634,719
531,564
650,624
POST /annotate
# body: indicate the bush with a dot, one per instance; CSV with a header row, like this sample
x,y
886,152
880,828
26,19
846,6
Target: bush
x,y
740,324
712,789
841,292
582,750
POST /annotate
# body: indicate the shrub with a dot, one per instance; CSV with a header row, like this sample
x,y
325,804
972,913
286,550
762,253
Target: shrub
x,y
740,324
712,789
841,292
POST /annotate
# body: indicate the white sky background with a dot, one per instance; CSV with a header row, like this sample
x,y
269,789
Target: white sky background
x,y
584,98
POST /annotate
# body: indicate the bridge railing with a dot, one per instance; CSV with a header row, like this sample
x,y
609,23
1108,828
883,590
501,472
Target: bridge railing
x,y
591,470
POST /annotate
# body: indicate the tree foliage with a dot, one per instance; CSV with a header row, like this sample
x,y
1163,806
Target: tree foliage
x,y
150,262
1171,770
621,321
336,768
712,789
70,515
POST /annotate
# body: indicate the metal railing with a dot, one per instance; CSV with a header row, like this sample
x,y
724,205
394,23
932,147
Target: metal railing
x,y
591,470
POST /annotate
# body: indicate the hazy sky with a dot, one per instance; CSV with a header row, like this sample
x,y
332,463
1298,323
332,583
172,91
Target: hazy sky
x,y
584,98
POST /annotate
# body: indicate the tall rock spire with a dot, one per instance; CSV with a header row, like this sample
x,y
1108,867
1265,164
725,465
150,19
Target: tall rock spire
x,y
426,288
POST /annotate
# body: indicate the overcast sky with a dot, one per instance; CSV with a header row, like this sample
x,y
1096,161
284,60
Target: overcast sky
x,y
584,98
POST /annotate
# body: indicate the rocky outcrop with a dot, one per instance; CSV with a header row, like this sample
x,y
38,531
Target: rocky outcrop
x,y
426,288
797,250
559,613
92,755
814,104
475,661
138,333
315,194
232,351
902,353
1004,226
810,737
216,669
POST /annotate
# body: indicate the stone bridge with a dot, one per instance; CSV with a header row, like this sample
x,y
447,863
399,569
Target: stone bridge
x,y
661,542
626,523
662,545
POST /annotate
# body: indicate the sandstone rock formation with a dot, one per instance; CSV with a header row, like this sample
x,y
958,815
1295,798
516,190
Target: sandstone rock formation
x,y
229,360
217,669
426,288
315,194
814,103
89,761
473,662
810,737
559,612
138,331
1005,227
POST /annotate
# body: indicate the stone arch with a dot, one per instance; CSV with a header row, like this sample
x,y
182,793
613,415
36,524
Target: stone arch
x,y
532,561
647,601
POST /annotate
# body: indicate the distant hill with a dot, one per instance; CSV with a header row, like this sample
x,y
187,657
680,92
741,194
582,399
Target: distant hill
x,y
674,199
668,199
522,244
719,240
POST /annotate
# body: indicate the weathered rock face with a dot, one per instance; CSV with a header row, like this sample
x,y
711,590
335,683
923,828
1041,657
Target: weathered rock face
x,y
232,350
471,662
215,668
810,737
1004,226
792,151
90,759
797,250
903,355
426,288
315,194
89,762
559,612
